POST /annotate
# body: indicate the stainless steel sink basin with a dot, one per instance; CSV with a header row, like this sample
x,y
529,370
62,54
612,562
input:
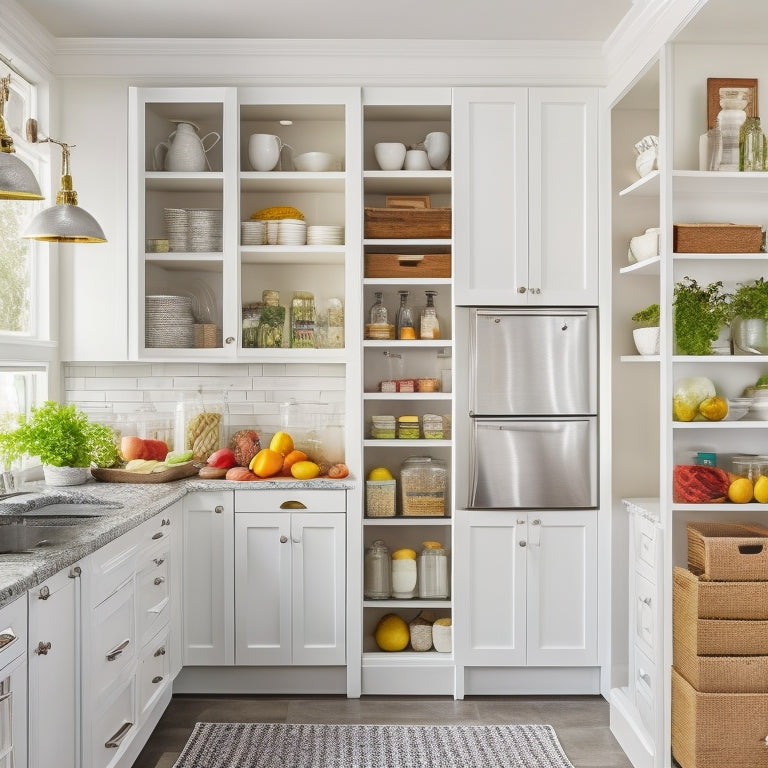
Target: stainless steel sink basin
x,y
24,536
75,509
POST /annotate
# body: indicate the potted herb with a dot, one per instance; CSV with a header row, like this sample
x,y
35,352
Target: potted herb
x,y
646,335
64,440
750,317
701,313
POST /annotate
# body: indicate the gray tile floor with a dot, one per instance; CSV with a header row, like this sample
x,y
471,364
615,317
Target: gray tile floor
x,y
581,722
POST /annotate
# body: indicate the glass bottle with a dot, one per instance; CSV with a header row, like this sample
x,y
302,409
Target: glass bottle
x,y
733,103
430,326
405,329
378,313
377,572
751,145
433,571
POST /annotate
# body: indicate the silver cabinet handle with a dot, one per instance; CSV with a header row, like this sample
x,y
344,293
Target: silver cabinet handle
x,y
115,652
160,651
114,742
218,510
157,679
6,696
159,560
283,539
75,572
158,581
536,522
158,535
43,648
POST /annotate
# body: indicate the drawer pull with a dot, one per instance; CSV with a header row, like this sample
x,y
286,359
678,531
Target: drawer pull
x,y
43,648
292,505
157,679
114,742
8,695
160,651
218,510
283,539
159,560
7,637
44,594
646,601
75,572
115,652
158,535
165,521
158,581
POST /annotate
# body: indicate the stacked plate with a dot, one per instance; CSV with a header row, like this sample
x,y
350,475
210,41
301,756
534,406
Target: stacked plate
x,y
292,232
176,224
253,233
168,321
204,230
325,235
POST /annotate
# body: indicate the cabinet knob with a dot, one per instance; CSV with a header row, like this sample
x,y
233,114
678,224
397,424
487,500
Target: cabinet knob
x,y
158,560
160,651
157,679
536,522
75,572
283,539
229,340
165,521
522,544
44,594
43,648
522,289
218,510
158,581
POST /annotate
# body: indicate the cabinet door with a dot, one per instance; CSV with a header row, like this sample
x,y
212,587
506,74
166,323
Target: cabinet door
x,y
208,568
175,642
54,648
562,588
489,552
318,576
262,588
490,166
562,196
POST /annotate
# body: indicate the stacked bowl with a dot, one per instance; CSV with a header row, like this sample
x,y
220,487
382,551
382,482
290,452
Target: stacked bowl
x,y
168,321
292,232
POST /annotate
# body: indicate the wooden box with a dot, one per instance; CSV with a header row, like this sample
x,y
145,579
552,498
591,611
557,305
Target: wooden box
x,y
714,730
407,265
398,223
717,238
728,551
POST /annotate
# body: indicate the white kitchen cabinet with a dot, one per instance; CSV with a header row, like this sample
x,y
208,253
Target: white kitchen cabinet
x,y
13,684
530,593
208,578
290,578
53,669
525,173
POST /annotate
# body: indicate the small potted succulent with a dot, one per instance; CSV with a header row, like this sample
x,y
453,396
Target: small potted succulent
x,y
749,327
701,315
646,335
64,440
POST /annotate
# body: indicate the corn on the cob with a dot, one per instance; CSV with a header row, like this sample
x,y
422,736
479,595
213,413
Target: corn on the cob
x,y
278,212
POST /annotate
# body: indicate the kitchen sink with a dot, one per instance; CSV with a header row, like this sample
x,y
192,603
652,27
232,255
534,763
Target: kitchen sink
x,y
74,509
25,536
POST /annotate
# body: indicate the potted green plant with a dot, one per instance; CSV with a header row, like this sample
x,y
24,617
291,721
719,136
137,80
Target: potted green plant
x,y
700,314
749,327
64,440
646,335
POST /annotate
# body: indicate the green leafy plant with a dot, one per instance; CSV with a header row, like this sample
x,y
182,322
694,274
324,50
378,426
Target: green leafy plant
x,y
751,300
648,317
61,436
700,313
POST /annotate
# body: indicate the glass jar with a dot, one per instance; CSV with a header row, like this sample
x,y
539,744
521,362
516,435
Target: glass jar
x,y
733,103
269,333
430,326
251,315
201,422
377,572
303,320
378,312
433,571
751,145
404,325
423,487
404,574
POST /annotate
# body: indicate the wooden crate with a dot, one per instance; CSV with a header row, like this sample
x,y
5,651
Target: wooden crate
x,y
407,265
717,238
398,223
728,551
715,730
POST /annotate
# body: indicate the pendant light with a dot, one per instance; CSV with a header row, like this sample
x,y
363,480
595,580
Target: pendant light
x,y
65,222
17,182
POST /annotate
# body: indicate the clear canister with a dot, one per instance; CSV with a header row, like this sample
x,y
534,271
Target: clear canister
x,y
404,574
377,572
201,422
423,486
433,571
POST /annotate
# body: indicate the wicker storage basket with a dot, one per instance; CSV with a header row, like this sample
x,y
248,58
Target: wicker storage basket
x,y
715,730
206,335
407,222
717,238
380,498
407,265
728,551
726,599
712,637
712,674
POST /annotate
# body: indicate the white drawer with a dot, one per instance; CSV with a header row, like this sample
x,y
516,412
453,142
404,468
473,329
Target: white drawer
x,y
154,672
646,539
13,622
645,688
645,615
287,500
113,645
153,596
114,725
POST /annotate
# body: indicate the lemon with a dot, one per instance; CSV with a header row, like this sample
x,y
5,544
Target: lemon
x,y
392,633
380,473
740,491
714,408
682,410
305,470
404,554
761,489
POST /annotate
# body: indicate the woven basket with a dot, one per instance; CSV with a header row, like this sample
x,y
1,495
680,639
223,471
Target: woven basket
x,y
421,634
728,551
718,730
717,238
206,335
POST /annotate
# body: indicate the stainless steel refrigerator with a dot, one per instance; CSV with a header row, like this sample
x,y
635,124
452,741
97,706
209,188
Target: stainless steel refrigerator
x,y
533,408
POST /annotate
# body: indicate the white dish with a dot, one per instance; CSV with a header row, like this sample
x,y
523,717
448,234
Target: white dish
x,y
390,155
316,162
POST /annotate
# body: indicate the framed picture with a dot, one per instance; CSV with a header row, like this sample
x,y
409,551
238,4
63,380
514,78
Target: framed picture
x,y
714,84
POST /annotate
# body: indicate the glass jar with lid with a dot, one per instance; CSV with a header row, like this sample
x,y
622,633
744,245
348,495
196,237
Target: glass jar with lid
x,y
377,579
433,571
423,487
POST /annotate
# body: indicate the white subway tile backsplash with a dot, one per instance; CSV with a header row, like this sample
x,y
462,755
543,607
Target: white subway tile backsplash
x,y
174,369
85,396
225,370
101,382
71,383
155,382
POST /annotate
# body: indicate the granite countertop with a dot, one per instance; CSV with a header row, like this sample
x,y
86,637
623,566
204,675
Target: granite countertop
x,y
131,504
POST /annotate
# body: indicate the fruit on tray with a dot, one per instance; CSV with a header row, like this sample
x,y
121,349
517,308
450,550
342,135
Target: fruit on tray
x,y
133,447
714,408
281,443
305,470
294,456
223,458
266,463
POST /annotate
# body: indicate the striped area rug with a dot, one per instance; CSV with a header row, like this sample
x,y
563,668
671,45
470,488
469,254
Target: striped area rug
x,y
287,745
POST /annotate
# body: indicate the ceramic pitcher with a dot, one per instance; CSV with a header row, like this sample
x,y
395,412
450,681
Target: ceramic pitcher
x,y
184,150
264,151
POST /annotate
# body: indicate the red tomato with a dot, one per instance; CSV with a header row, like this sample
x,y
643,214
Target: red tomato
x,y
337,471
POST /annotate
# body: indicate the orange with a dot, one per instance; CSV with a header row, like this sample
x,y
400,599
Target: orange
x,y
291,459
714,408
282,443
266,463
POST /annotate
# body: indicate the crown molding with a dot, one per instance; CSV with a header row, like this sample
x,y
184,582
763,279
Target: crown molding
x,y
28,46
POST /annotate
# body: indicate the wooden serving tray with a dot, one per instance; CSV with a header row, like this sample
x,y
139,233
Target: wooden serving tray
x,y
123,476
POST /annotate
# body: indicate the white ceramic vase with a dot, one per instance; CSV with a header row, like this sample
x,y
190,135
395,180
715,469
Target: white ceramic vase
x,y
646,340
59,476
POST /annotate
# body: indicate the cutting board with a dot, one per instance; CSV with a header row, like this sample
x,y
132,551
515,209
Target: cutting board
x,y
123,476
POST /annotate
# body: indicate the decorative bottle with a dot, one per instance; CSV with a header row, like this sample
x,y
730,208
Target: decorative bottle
x,y
430,326
377,576
733,103
405,329
378,312
751,145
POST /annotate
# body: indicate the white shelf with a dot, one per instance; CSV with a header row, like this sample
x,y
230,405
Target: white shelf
x,y
291,254
646,186
721,359
414,602
402,396
399,520
379,281
172,181
398,443
640,358
407,182
292,181
743,423
646,267
730,257
415,245
400,658
715,183
415,344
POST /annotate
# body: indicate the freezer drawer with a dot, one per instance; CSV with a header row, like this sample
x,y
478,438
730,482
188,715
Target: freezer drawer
x,y
533,362
533,463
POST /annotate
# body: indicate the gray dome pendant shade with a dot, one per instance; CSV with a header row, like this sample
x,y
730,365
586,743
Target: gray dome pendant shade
x,y
65,222
17,182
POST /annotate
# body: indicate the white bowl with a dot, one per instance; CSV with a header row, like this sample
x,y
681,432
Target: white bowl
x,y
738,407
390,155
759,410
646,340
644,246
311,162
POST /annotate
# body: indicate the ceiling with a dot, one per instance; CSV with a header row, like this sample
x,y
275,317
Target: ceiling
x,y
566,20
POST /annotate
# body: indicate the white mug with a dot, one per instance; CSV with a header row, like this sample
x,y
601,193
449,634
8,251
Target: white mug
x,y
416,160
438,146
264,151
